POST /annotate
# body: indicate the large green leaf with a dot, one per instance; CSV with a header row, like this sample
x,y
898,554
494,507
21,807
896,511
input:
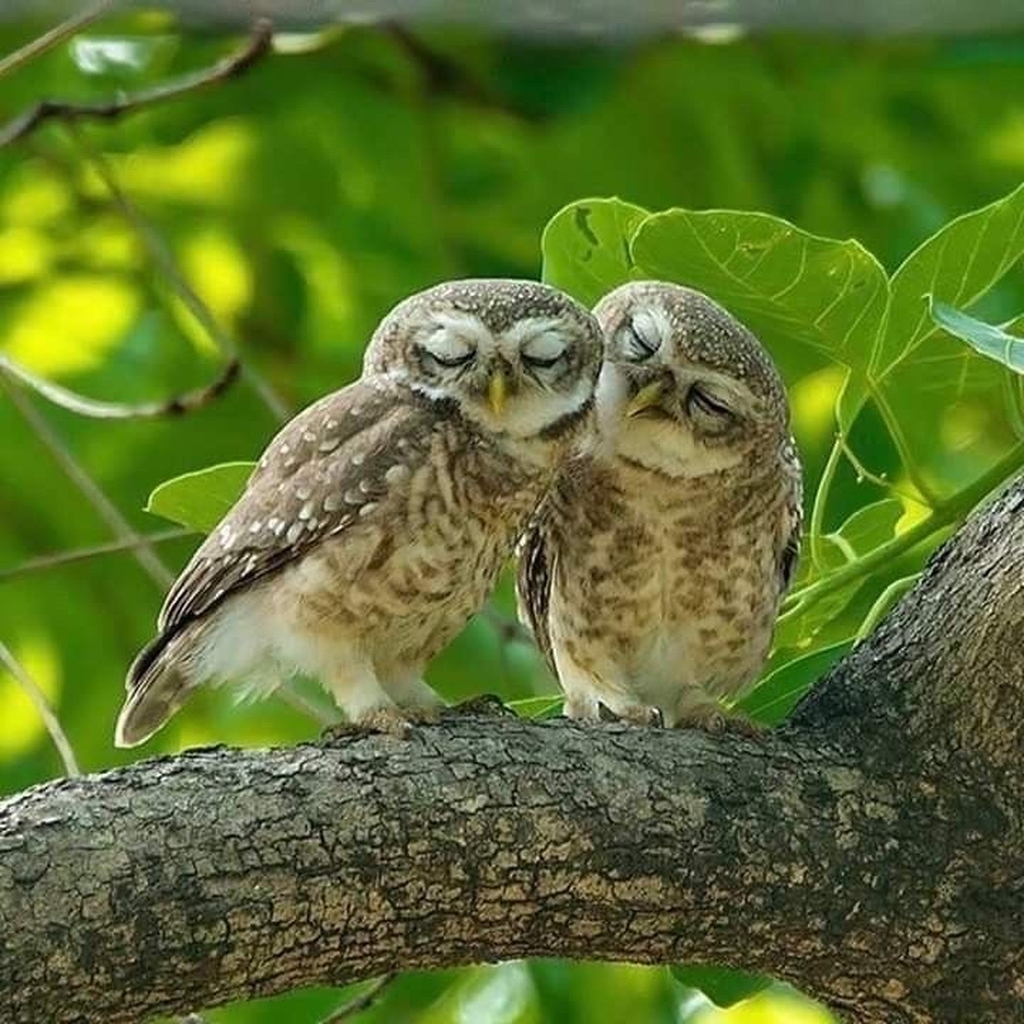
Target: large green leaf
x,y
921,376
723,986
777,695
586,247
957,265
200,499
788,285
991,341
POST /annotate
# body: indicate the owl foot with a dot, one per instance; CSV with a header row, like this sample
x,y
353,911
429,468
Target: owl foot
x,y
714,719
388,719
485,704
642,715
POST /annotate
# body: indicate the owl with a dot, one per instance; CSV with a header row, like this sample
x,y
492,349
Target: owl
x,y
652,573
377,520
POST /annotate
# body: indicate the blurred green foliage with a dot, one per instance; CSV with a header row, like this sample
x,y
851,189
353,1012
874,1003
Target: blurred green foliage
x,y
305,199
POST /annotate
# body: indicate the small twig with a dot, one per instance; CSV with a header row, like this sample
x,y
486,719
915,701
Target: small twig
x,y
257,45
289,695
879,480
83,406
42,705
164,260
144,554
361,1002
59,558
55,36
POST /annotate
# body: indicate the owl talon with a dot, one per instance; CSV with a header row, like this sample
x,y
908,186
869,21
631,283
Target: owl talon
x,y
641,715
485,704
391,721
717,720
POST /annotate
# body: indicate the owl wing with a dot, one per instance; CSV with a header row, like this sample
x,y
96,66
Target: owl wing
x,y
534,569
792,513
326,468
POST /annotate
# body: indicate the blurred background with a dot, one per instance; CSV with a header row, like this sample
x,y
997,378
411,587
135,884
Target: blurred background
x,y
300,201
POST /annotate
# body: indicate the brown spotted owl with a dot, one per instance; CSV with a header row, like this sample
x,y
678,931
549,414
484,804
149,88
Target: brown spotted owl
x,y
377,521
652,574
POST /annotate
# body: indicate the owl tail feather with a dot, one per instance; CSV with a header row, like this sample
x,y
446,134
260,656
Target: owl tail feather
x,y
157,686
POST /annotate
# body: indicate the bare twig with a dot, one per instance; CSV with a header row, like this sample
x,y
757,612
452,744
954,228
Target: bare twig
x,y
257,45
59,558
42,705
361,1002
74,402
288,694
55,36
143,552
164,260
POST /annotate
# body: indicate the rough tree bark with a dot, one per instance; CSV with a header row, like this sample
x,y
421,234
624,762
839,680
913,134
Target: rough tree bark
x,y
871,851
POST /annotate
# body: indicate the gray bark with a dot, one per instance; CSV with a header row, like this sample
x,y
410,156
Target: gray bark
x,y
871,851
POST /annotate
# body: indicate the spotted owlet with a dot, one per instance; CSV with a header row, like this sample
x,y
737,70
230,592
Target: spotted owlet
x,y
651,575
377,521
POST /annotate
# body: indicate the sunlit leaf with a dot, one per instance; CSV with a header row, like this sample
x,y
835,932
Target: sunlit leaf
x,y
957,265
536,707
724,987
503,994
788,285
70,324
989,340
868,528
201,499
777,695
586,247
885,603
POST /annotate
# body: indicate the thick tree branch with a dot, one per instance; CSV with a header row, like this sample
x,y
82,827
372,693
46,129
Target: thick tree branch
x,y
871,851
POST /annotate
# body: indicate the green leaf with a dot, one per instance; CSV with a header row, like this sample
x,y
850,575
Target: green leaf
x,y
868,528
777,695
922,378
786,284
987,339
537,708
723,986
957,265
201,499
586,247
885,602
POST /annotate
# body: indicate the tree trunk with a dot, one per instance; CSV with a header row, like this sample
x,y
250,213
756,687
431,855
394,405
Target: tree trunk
x,y
871,851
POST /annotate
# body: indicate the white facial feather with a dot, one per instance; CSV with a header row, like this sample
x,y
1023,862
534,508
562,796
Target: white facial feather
x,y
459,332
653,325
542,337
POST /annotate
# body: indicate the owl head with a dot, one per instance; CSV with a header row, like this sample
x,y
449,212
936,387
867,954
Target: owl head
x,y
516,358
685,387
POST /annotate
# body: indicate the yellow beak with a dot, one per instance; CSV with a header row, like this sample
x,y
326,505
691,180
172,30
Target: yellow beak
x,y
648,395
497,392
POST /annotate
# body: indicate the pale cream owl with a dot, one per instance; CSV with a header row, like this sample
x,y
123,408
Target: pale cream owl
x,y
378,519
652,574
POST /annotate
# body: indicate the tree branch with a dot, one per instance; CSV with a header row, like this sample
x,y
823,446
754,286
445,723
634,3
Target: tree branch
x,y
871,851
55,36
177,405
258,45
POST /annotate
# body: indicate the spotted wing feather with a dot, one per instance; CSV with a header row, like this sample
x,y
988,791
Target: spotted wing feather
x,y
792,514
533,584
327,467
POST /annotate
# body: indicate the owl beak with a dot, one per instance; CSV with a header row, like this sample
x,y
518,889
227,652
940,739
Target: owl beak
x,y
497,391
649,395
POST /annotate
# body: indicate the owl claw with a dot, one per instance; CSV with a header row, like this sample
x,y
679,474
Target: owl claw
x,y
714,719
642,715
485,704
